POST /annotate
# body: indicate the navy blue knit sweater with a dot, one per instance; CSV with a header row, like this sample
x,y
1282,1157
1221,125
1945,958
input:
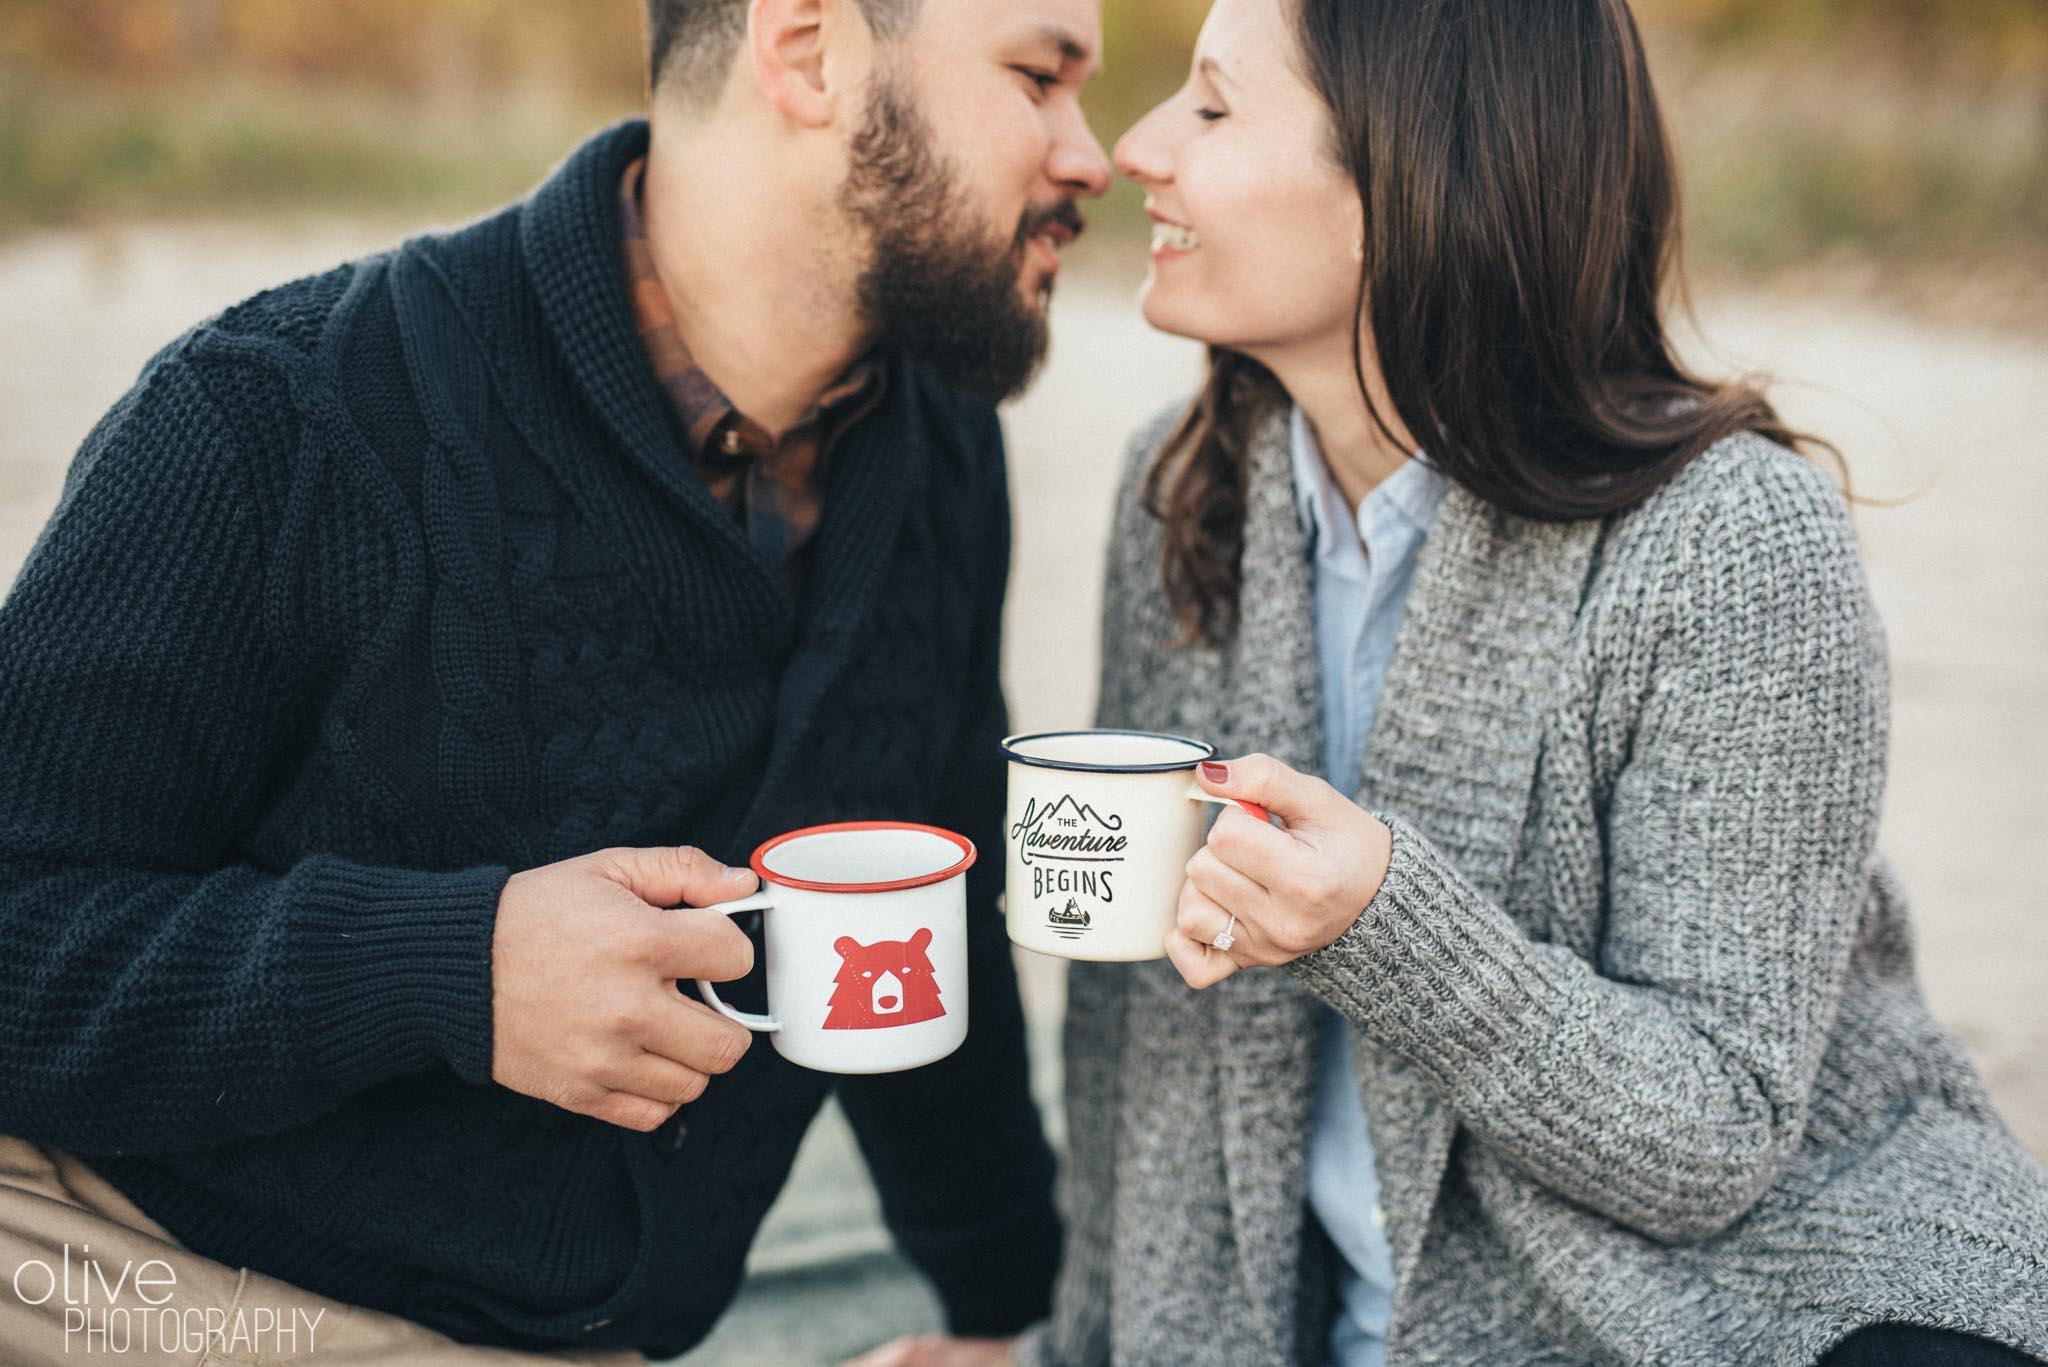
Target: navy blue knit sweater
x,y
381,586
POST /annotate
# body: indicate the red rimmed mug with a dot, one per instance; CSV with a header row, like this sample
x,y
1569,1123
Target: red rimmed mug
x,y
866,945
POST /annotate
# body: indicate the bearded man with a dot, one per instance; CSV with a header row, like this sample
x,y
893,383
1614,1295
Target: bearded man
x,y
418,645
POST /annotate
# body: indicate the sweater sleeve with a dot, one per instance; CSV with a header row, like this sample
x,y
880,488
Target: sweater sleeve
x,y
957,1148
161,990
1665,1083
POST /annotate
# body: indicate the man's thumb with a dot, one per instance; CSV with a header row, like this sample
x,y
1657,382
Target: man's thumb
x,y
665,875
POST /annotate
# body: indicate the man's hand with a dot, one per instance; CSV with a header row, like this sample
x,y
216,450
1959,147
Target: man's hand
x,y
585,1013
938,1350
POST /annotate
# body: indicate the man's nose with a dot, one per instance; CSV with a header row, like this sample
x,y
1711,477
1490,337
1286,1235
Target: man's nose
x,y
1079,164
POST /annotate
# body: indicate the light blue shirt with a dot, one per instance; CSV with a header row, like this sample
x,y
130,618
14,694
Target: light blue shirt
x,y
1364,565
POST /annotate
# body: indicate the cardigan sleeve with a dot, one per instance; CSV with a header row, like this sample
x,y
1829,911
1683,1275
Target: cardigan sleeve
x,y
160,989
1666,1084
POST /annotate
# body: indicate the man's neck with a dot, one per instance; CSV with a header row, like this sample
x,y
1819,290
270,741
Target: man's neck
x,y
759,300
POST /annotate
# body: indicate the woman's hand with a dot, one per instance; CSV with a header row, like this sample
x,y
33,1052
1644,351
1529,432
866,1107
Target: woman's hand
x,y
1293,891
938,1350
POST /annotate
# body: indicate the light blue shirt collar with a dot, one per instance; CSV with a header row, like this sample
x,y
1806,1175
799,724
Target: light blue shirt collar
x,y
1404,503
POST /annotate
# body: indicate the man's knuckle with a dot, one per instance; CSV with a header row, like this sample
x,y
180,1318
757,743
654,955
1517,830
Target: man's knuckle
x,y
729,1047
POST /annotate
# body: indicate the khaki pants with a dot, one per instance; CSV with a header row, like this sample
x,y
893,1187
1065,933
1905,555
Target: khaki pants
x,y
85,1276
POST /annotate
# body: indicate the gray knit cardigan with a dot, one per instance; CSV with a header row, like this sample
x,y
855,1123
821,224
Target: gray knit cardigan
x,y
1649,1075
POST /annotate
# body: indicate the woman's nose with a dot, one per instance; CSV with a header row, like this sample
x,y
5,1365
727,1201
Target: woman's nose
x,y
1143,154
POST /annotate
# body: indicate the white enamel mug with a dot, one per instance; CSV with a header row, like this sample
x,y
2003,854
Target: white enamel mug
x,y
866,945
1100,827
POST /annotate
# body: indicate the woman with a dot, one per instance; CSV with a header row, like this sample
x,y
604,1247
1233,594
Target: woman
x,y
1588,1031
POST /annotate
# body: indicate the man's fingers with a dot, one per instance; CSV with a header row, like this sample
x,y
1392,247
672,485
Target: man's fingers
x,y
698,1038
658,1079
900,1353
689,943
665,875
631,1112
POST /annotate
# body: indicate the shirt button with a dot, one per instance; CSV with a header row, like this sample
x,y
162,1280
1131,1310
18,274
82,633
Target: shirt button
x,y
732,441
1379,1217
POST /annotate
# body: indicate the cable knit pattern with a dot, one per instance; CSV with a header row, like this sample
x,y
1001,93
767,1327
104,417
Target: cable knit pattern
x,y
1648,1073
388,582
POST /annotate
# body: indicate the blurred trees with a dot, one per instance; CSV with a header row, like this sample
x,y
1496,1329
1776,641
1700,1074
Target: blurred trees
x,y
1896,126
592,47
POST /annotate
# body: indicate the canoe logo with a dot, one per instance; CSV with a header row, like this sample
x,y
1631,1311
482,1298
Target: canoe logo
x,y
1072,851
1069,921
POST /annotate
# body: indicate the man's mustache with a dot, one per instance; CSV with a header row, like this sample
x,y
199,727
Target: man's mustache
x,y
1065,214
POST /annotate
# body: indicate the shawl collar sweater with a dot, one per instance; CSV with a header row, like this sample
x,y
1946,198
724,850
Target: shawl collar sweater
x,y
1648,1073
388,583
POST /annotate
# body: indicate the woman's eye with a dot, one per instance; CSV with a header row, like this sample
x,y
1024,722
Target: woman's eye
x,y
1209,115
1044,80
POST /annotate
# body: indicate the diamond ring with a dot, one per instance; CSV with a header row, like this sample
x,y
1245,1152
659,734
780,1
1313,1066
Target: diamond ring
x,y
1228,938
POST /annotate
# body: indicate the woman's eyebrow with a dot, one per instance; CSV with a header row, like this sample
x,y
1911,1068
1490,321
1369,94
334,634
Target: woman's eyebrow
x,y
1213,69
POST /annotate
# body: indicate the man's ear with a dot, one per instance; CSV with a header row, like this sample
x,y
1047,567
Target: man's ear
x,y
798,51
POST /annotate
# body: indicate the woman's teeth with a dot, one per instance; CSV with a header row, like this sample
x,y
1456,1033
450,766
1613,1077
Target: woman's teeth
x,y
1173,237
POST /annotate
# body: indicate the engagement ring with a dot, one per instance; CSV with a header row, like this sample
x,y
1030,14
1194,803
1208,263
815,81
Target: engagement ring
x,y
1227,938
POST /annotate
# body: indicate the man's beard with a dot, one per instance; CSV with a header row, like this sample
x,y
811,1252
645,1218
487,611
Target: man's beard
x,y
934,286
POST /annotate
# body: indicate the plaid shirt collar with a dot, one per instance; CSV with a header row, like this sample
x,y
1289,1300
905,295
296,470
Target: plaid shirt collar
x,y
772,487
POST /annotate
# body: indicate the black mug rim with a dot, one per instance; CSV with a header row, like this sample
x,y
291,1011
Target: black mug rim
x,y
1010,743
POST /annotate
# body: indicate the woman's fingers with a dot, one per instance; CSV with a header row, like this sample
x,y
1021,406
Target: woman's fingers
x,y
1191,943
1199,965
1228,888
1263,855
1296,798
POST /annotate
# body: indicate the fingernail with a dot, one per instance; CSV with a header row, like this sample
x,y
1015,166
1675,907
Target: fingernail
x,y
737,874
1215,773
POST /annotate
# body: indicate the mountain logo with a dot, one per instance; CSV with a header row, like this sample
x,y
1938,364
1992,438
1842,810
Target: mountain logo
x,y
1068,832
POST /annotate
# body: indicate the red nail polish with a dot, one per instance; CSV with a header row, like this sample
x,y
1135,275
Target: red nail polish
x,y
1215,773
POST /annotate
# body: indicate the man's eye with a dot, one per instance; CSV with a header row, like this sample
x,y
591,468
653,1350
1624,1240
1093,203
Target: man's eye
x,y
1044,80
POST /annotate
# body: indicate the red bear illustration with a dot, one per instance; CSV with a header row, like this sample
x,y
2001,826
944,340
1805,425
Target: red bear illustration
x,y
883,984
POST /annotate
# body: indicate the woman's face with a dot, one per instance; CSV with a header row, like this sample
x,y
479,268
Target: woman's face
x,y
1256,228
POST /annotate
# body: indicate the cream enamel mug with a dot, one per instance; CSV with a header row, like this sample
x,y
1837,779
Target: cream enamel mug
x,y
1099,830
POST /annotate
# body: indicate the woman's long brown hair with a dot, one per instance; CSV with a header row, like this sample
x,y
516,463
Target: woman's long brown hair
x,y
1521,214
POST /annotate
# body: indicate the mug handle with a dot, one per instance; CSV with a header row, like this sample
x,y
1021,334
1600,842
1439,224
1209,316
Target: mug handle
x,y
1251,809
760,901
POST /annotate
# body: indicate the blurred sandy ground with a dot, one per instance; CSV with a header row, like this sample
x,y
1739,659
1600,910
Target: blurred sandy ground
x,y
1960,574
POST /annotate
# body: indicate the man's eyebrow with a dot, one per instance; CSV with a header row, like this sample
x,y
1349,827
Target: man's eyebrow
x,y
1072,49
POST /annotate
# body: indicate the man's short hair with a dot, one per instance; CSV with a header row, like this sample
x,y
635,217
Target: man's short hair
x,y
691,42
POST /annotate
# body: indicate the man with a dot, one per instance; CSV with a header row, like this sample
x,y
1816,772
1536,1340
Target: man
x,y
403,639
